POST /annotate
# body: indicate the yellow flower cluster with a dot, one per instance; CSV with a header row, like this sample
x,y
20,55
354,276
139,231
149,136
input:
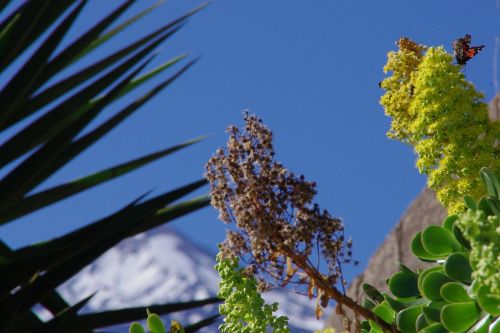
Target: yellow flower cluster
x,y
436,110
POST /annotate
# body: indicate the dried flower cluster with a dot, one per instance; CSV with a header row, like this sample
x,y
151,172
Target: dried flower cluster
x,y
279,228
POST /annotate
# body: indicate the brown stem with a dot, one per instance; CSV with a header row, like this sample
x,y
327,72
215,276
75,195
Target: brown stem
x,y
322,283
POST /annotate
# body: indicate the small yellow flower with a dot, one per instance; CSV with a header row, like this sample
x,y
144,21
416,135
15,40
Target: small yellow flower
x,y
436,110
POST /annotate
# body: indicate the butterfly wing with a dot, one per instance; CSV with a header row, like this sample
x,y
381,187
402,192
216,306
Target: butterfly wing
x,y
463,51
466,54
472,51
469,53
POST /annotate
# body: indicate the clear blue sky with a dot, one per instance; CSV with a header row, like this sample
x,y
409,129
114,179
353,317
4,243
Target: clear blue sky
x,y
310,69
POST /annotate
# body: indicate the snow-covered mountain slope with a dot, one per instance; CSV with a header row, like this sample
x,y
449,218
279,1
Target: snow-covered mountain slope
x,y
161,266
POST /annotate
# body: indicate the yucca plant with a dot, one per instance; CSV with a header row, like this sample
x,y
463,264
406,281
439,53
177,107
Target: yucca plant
x,y
61,109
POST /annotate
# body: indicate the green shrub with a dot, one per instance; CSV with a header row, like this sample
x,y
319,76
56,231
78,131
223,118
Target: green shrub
x,y
480,225
460,292
243,309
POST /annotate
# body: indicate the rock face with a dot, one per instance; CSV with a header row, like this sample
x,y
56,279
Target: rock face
x,y
495,108
423,211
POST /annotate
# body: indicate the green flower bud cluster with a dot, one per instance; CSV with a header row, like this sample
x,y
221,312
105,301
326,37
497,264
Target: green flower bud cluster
x,y
243,309
155,325
442,115
481,228
460,292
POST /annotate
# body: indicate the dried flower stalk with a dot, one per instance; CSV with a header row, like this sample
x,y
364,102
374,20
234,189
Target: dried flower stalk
x,y
281,233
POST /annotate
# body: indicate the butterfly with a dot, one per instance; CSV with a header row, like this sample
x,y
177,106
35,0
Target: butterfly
x,y
463,51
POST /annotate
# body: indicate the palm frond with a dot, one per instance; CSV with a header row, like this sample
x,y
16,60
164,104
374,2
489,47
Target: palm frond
x,y
62,108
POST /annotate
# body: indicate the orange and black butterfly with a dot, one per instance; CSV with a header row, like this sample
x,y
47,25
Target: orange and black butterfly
x,y
463,51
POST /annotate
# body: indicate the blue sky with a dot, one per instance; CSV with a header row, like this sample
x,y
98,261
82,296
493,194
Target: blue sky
x,y
310,70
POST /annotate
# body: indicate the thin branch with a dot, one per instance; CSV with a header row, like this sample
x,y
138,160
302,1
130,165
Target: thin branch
x,y
341,277
336,295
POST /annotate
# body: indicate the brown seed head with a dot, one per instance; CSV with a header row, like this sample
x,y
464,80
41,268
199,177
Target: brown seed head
x,y
273,210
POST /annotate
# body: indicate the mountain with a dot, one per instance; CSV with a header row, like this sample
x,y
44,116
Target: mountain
x,y
161,266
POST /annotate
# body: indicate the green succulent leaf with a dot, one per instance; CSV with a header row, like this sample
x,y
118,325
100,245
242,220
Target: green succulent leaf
x,y
470,202
459,317
155,324
438,241
432,311
475,287
385,312
434,328
136,327
449,221
458,268
454,292
374,327
368,304
459,236
482,325
491,182
432,284
403,268
423,275
395,304
417,248
372,292
404,284
488,301
485,206
421,322
494,205
406,319
365,325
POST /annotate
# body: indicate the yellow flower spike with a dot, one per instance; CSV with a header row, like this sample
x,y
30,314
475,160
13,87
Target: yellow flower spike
x,y
434,109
